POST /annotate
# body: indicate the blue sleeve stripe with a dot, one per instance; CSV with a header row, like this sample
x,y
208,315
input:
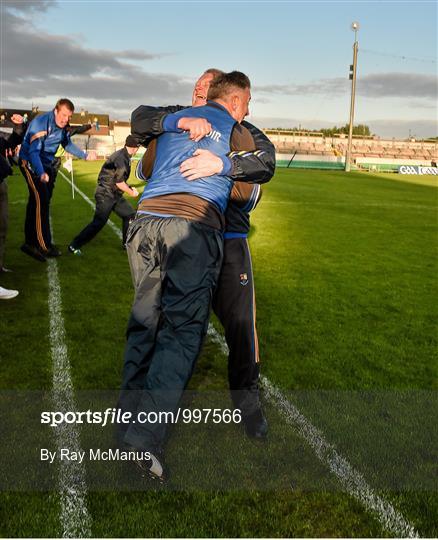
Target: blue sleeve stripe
x,y
253,199
139,172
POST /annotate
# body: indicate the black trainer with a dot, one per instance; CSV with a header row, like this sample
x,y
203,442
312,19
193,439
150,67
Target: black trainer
x,y
256,425
34,252
53,251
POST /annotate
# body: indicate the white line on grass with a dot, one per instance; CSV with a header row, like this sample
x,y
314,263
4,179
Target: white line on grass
x,y
351,479
75,519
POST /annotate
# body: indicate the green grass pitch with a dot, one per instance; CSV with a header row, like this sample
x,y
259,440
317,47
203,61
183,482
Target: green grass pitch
x,y
346,280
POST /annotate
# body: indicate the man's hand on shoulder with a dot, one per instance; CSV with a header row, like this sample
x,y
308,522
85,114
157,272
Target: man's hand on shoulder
x,y
197,127
203,163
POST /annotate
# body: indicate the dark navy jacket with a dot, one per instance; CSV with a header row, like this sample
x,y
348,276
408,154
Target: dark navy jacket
x,y
9,141
115,170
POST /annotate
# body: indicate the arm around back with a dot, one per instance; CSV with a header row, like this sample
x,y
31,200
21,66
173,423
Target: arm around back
x,y
257,166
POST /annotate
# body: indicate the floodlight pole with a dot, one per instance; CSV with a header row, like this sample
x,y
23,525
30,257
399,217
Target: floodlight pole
x,y
353,68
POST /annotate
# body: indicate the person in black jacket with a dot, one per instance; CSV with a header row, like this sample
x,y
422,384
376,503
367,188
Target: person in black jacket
x,y
111,184
8,144
234,300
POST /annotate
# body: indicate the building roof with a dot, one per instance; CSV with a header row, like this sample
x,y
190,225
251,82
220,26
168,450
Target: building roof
x,y
5,115
85,117
119,123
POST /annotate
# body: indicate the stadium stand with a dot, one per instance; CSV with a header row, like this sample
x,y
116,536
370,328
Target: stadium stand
x,y
367,152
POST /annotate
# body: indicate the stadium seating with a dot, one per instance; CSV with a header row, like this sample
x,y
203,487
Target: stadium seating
x,y
304,144
316,146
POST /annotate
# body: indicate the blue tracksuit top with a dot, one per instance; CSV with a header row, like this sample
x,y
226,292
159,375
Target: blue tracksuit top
x,y
173,147
42,140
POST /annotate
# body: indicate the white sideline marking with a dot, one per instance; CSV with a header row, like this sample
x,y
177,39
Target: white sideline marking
x,y
352,481
113,226
75,519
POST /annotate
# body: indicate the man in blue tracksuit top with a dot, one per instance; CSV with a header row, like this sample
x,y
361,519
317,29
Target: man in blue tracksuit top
x,y
43,137
175,252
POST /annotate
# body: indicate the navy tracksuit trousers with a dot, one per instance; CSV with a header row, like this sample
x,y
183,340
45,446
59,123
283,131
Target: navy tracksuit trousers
x,y
234,305
175,265
37,231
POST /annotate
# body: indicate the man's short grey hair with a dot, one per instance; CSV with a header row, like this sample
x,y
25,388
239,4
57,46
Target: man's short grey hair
x,y
213,71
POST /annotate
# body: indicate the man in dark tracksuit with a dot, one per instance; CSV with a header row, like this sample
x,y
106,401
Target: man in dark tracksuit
x,y
234,299
175,251
43,137
111,184
8,143
234,305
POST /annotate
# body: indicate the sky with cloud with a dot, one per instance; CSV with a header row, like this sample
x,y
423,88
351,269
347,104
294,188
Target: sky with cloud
x,y
112,56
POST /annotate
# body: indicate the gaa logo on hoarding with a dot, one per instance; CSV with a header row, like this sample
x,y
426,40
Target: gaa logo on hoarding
x,y
411,169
